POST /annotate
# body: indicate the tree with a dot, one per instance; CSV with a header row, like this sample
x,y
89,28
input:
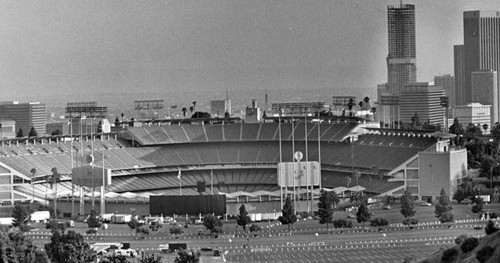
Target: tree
x,y
495,131
17,248
477,208
20,215
242,219
188,257
407,205
456,127
69,248
325,207
137,227
350,104
150,259
473,131
94,221
33,132
20,133
363,215
212,223
117,122
443,208
415,121
485,127
99,127
464,191
114,258
288,214
184,110
487,164
56,132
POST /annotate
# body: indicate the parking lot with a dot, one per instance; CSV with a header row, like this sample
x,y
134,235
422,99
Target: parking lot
x,y
308,242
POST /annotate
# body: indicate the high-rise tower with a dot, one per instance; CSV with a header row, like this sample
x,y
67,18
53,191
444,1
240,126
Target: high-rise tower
x,y
401,60
481,46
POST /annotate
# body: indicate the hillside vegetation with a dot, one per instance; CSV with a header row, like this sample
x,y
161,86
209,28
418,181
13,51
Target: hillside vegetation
x,y
469,250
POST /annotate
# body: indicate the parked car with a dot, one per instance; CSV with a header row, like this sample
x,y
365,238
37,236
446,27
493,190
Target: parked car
x,y
351,216
386,207
426,204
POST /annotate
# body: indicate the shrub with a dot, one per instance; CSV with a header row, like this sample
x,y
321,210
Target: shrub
x,y
379,222
176,231
410,221
490,228
485,253
24,228
460,239
449,255
91,231
255,228
342,223
447,217
469,244
494,215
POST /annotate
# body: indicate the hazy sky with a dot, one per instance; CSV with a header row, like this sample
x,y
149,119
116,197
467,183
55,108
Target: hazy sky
x,y
60,47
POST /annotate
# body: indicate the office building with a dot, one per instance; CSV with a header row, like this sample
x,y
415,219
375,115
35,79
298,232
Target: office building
x,y
447,82
218,108
424,100
485,91
25,115
7,129
474,113
459,70
253,114
401,60
481,46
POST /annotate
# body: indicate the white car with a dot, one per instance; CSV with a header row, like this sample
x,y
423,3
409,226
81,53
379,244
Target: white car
x,y
426,204
126,252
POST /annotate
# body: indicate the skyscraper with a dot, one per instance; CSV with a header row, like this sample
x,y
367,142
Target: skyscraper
x,y
447,82
459,69
421,99
481,46
401,60
485,91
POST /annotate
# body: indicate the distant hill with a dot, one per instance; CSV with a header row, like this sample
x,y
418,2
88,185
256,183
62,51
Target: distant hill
x,y
487,251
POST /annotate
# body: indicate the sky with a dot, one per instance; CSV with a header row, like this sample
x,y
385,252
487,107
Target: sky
x,y
57,48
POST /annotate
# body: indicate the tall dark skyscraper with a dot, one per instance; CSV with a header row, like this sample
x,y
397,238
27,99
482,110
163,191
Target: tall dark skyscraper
x,y
459,70
481,46
401,60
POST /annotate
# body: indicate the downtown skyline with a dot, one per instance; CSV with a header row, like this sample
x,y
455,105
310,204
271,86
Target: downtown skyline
x,y
120,46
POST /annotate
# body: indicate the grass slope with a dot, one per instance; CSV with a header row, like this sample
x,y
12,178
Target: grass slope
x,y
457,256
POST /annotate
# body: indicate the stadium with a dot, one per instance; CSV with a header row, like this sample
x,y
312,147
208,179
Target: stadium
x,y
236,159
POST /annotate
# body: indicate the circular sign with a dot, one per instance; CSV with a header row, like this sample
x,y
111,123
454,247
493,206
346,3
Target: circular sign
x,y
90,158
298,155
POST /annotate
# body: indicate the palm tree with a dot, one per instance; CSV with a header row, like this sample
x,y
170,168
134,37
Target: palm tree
x,y
33,173
184,110
366,100
191,109
56,176
485,127
361,104
350,104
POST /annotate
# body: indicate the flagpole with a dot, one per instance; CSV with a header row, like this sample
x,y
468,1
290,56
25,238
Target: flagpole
x,y
319,148
307,179
72,184
180,184
82,200
281,159
293,160
103,187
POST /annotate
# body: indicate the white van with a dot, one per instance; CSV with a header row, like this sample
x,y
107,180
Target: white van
x,y
40,216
